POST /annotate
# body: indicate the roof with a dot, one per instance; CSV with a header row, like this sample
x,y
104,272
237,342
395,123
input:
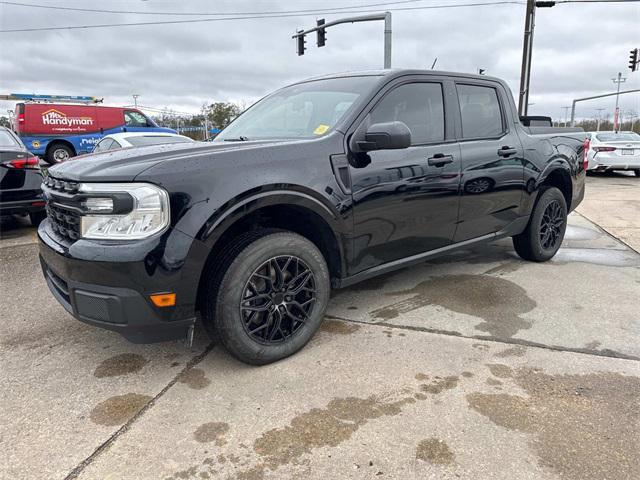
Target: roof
x,y
398,72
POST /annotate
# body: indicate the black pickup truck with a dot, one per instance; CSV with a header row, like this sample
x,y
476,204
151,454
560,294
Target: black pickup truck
x,y
321,184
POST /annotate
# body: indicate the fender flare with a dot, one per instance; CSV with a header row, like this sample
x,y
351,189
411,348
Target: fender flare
x,y
249,202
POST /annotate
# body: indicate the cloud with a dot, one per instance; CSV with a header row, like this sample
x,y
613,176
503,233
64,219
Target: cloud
x,y
578,50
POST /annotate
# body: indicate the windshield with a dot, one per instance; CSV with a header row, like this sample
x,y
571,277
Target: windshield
x,y
618,137
306,110
139,141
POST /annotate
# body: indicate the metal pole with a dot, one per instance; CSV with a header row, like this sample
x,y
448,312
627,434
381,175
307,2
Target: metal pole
x,y
387,40
527,49
135,100
616,112
599,110
566,113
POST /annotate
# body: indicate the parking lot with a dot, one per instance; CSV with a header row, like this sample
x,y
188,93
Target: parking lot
x,y
473,365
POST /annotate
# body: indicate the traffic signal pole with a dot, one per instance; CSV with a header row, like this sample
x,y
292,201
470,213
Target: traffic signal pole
x,y
573,104
321,28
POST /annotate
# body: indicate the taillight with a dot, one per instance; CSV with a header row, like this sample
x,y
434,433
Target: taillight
x,y
21,118
28,162
585,153
604,149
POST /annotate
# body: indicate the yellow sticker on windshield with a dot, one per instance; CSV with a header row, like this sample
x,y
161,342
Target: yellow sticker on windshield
x,y
320,129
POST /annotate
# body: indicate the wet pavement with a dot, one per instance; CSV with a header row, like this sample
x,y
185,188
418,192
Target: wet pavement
x,y
474,365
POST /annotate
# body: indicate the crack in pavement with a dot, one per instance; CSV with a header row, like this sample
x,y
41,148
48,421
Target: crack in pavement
x,y
506,341
78,469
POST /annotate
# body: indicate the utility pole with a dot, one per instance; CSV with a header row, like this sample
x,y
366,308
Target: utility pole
x,y
321,28
616,112
135,99
599,110
527,52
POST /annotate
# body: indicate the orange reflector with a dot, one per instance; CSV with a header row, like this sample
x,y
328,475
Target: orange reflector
x,y
163,299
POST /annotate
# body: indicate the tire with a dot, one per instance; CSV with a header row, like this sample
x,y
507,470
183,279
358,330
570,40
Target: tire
x,y
57,153
549,215
262,328
37,217
637,172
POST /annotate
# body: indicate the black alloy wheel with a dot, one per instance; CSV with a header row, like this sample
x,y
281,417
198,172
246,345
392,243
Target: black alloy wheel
x,y
278,299
266,295
544,233
553,220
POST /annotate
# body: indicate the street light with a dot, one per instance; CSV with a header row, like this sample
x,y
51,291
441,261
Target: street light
x,y
135,99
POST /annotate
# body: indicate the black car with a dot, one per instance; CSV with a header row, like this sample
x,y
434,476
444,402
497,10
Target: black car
x,y
20,179
321,184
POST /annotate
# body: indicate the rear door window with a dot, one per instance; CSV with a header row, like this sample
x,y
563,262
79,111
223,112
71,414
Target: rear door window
x,y
480,111
419,106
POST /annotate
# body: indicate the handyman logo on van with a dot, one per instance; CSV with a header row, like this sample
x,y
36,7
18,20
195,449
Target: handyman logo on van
x,y
55,117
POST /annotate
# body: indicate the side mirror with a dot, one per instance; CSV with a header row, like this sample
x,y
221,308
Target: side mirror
x,y
386,136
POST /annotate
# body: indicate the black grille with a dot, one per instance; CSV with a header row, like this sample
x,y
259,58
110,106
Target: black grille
x,y
64,222
65,219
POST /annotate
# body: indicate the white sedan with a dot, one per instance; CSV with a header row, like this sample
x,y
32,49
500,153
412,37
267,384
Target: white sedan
x,y
614,151
137,139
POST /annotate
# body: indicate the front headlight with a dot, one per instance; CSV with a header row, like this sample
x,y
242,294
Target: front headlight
x,y
146,210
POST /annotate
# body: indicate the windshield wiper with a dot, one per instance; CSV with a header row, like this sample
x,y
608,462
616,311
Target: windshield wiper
x,y
241,138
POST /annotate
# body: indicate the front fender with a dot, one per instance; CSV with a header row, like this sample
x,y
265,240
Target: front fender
x,y
266,196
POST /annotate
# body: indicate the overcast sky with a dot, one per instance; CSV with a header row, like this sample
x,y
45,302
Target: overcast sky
x,y
578,49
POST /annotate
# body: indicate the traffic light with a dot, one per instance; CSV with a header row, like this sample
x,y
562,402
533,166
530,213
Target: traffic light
x,y
300,41
322,34
633,60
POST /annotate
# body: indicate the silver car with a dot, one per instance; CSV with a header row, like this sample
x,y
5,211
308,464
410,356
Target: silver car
x,y
614,151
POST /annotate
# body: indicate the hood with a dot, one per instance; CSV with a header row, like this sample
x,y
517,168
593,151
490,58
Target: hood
x,y
125,164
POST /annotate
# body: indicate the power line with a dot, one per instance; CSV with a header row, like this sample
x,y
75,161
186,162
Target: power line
x,y
196,14
597,1
253,17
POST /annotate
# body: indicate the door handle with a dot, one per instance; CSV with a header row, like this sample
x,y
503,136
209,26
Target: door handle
x,y
440,160
507,151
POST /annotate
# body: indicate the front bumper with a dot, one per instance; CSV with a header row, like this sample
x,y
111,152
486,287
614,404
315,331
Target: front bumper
x,y
114,294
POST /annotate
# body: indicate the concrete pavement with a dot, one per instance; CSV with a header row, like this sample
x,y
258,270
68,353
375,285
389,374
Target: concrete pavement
x,y
613,202
475,365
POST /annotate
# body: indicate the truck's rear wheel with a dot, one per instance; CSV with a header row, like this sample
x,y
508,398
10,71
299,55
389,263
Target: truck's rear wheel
x,y
58,152
270,299
543,236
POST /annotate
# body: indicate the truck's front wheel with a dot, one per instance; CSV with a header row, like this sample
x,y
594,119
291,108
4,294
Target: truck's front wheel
x,y
270,299
58,152
545,232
